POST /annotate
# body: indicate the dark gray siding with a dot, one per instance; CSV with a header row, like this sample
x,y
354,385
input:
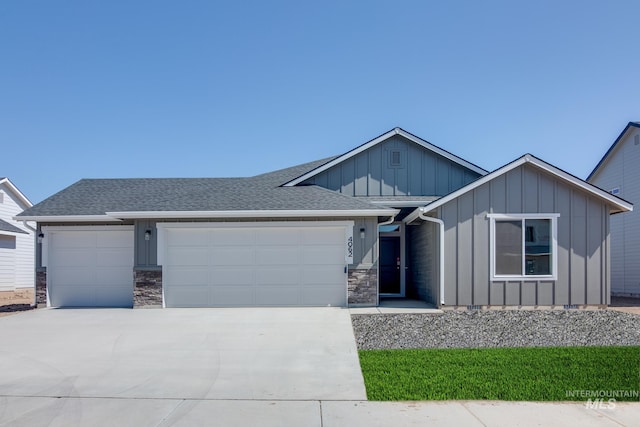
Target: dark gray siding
x,y
583,242
421,172
422,281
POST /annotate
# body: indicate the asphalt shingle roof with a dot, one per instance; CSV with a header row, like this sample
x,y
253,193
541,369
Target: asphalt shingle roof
x,y
261,192
5,226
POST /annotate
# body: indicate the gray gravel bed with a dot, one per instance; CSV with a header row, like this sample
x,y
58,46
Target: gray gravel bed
x,y
508,328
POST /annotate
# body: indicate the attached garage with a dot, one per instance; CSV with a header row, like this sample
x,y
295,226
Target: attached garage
x,y
254,264
89,266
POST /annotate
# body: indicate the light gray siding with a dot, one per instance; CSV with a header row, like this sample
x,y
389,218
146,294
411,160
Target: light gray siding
x,y
419,172
620,171
582,242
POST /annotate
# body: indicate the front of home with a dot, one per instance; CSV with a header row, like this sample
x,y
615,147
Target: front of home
x,y
394,217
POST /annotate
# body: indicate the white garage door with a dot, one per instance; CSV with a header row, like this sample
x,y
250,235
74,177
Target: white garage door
x,y
89,266
253,265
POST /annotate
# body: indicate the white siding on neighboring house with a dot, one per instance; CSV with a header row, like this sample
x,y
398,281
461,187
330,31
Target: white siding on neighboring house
x,y
21,258
620,174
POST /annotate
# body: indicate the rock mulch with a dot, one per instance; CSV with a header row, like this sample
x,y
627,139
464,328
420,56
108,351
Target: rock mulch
x,y
505,328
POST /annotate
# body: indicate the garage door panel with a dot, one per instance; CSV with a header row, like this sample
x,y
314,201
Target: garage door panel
x,y
277,236
187,256
73,239
188,296
323,235
113,276
333,295
77,276
111,296
322,255
277,276
279,255
186,237
228,276
71,296
264,265
181,276
219,256
232,237
114,239
278,295
322,275
238,295
113,257
73,257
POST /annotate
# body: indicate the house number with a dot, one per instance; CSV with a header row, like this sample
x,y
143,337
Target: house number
x,y
350,247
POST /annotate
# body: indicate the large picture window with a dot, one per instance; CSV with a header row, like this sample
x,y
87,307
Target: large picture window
x,y
523,246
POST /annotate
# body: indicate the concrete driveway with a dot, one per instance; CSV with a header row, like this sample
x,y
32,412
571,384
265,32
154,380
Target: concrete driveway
x,y
250,354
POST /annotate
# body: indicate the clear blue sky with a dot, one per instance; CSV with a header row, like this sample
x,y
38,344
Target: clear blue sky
x,y
100,89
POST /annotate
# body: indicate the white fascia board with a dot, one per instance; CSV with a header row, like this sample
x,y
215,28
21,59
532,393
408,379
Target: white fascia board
x,y
401,204
622,205
68,218
383,137
253,214
17,192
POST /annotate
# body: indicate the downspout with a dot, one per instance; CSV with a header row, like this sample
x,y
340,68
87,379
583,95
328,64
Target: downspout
x,y
440,222
391,220
28,226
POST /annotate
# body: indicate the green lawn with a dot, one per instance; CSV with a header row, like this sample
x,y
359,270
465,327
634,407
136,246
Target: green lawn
x,y
536,374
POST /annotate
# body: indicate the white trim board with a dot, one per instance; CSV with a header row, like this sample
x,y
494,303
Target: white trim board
x,y
378,140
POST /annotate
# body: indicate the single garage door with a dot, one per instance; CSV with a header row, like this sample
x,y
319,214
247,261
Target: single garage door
x,y
254,265
89,266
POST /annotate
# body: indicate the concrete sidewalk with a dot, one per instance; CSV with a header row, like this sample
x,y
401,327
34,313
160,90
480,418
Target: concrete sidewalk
x,y
69,412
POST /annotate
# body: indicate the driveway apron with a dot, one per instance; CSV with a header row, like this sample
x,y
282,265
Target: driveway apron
x,y
235,353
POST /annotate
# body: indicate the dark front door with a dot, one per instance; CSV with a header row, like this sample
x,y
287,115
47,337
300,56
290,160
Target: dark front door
x,y
390,265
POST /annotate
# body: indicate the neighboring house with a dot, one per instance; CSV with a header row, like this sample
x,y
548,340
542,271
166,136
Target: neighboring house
x,y
394,217
16,245
618,172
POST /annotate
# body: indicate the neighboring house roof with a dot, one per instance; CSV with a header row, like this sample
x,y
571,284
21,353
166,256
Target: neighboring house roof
x,y
10,228
396,131
613,147
617,204
262,195
16,192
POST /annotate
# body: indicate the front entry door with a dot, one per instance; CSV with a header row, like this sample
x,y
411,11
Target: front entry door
x,y
390,265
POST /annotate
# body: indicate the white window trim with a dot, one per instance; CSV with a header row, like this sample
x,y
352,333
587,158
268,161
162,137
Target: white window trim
x,y
554,245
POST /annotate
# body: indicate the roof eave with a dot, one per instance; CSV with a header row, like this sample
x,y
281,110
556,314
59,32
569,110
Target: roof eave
x,y
254,214
17,192
67,218
611,148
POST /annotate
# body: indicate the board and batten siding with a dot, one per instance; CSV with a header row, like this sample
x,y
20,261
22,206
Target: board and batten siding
x,y
420,172
583,243
364,250
621,171
21,259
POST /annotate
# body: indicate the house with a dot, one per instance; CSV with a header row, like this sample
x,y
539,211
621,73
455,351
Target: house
x,y
16,246
618,173
394,217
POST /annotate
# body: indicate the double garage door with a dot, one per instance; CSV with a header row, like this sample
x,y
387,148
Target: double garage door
x,y
203,265
229,265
